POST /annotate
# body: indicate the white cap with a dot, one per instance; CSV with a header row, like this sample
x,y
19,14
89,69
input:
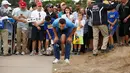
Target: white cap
x,y
5,2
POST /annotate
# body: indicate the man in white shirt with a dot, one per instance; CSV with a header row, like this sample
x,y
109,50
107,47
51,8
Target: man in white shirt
x,y
38,28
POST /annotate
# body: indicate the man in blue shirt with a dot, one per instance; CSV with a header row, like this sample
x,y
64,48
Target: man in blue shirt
x,y
63,31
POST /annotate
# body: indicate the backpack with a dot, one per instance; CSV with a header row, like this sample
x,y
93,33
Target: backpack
x,y
96,15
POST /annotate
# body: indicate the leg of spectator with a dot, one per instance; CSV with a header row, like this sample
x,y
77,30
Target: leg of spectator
x,y
104,31
91,43
95,39
39,45
33,45
19,35
0,43
127,39
117,35
24,42
5,41
47,44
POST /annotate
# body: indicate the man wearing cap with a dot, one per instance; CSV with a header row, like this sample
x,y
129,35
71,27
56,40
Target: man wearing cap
x,y
4,32
37,28
50,11
22,28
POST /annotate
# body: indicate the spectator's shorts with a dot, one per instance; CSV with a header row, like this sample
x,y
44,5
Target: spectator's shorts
x,y
111,32
37,34
47,36
124,29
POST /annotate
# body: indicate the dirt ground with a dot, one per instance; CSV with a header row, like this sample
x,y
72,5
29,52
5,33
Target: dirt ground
x,y
115,61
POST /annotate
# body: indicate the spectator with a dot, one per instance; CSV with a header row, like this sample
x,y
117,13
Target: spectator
x,y
50,34
78,36
50,11
55,9
4,32
15,10
98,12
22,29
113,24
33,6
75,13
63,31
124,29
62,6
37,28
82,10
67,14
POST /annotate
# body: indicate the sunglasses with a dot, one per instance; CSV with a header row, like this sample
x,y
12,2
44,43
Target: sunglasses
x,y
51,7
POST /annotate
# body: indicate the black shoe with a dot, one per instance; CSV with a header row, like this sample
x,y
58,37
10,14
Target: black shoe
x,y
95,54
78,53
127,44
1,54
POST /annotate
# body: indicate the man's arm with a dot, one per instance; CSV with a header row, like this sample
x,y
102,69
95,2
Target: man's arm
x,y
41,22
10,15
109,6
55,32
73,31
17,19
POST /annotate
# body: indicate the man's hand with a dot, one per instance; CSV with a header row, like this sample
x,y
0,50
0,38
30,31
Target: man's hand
x,y
56,39
49,37
111,27
68,15
125,20
69,39
24,21
39,28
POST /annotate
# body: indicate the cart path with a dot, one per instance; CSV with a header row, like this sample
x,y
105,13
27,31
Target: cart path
x,y
26,64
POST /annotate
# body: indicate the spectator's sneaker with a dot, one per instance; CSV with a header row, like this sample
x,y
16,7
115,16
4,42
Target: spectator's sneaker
x,y
111,47
1,54
44,52
67,61
39,53
17,53
23,53
7,54
78,53
127,44
55,61
33,53
104,50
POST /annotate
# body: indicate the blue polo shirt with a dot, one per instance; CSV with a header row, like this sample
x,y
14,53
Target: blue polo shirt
x,y
69,24
67,29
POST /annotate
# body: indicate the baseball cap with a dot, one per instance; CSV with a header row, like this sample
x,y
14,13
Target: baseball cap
x,y
39,3
22,4
49,5
5,2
